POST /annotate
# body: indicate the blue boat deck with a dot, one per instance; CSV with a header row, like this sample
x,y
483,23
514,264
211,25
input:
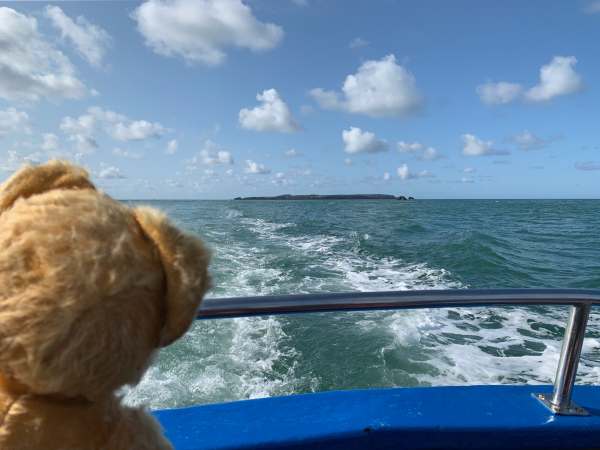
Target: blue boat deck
x,y
474,417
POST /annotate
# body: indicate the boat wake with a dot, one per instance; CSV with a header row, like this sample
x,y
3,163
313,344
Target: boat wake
x,y
224,360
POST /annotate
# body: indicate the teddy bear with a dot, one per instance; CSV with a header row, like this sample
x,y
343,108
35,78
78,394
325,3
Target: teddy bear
x,y
90,289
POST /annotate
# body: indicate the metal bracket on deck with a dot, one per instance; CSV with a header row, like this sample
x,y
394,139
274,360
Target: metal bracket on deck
x,y
570,410
560,401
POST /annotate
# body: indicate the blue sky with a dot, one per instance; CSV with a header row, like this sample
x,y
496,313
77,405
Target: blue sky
x,y
219,98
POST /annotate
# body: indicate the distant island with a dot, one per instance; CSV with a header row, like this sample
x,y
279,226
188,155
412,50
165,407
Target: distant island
x,y
330,197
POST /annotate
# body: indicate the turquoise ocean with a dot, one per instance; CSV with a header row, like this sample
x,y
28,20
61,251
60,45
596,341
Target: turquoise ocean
x,y
290,247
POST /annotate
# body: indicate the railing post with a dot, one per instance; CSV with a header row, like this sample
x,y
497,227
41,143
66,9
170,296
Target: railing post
x,y
560,401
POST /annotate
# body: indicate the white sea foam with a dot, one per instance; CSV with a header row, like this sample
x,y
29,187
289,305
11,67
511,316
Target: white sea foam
x,y
229,359
359,272
221,361
464,352
255,357
264,228
455,363
232,213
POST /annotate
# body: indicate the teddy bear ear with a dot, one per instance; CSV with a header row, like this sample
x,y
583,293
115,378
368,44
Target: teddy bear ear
x,y
185,263
32,180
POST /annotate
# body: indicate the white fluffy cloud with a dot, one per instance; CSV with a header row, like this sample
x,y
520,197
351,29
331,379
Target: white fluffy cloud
x,y
473,146
271,115
90,40
292,153
529,141
81,130
379,88
135,130
405,174
358,141
419,150
10,161
50,142
499,93
386,176
30,67
12,120
409,147
200,30
281,180
430,154
13,160
220,157
556,78
256,168
110,172
210,155
84,124
121,128
172,147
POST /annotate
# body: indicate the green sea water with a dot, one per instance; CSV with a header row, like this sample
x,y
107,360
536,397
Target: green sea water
x,y
280,247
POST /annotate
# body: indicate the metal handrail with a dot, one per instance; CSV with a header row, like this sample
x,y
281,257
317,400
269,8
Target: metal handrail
x,y
579,300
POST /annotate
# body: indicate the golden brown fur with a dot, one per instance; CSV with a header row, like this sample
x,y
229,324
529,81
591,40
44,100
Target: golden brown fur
x,y
90,289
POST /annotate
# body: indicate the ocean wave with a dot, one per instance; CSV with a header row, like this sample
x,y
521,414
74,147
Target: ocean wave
x,y
222,361
247,358
265,228
486,345
232,213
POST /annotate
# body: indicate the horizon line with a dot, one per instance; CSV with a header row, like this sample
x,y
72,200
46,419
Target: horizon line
x,y
415,198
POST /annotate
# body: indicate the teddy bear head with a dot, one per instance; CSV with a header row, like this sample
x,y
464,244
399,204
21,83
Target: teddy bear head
x,y
89,287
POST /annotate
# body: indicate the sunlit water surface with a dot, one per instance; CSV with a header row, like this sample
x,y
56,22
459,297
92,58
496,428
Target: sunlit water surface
x,y
331,246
